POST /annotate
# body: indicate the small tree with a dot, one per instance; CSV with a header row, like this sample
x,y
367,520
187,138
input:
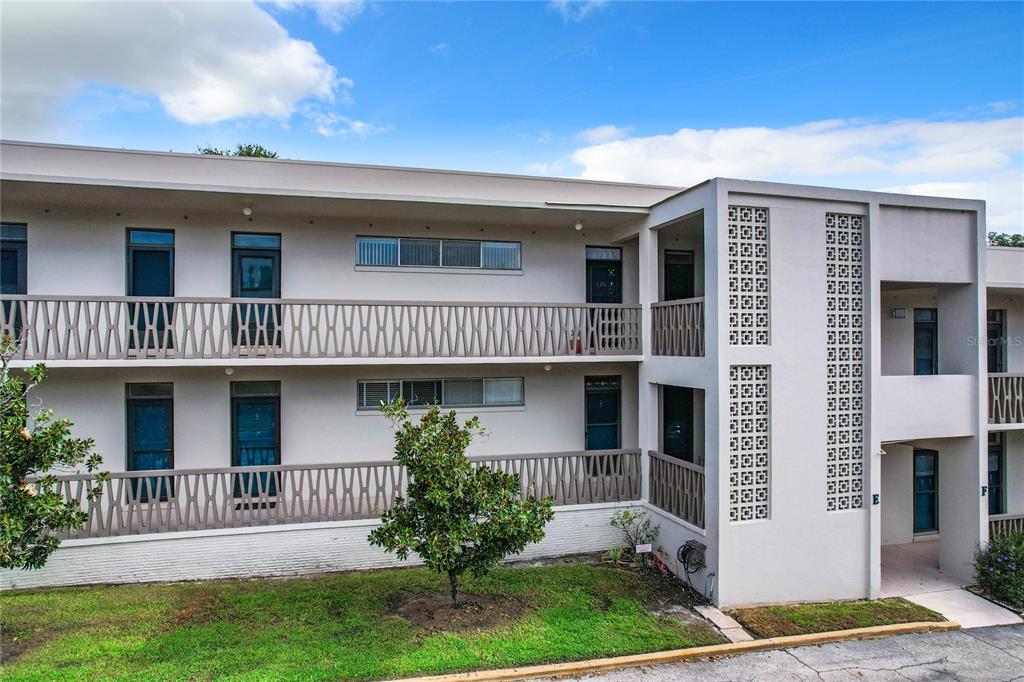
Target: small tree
x,y
456,517
32,512
252,150
1005,239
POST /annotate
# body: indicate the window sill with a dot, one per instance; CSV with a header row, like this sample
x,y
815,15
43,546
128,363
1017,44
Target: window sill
x,y
436,271
463,410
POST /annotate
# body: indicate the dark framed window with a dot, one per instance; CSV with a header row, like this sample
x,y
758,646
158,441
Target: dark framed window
x,y
996,473
996,341
256,273
438,253
677,422
149,262
602,397
603,406
13,274
461,392
256,436
13,258
604,274
679,275
926,341
149,416
926,491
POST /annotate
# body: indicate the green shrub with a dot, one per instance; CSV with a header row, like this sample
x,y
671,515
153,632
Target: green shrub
x,y
999,568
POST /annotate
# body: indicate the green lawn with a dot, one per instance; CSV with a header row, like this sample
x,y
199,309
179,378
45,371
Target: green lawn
x,y
328,628
802,619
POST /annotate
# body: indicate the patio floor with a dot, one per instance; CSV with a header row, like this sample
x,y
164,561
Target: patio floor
x,y
912,571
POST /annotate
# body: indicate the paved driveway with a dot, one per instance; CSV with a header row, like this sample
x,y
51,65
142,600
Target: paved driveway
x,y
994,654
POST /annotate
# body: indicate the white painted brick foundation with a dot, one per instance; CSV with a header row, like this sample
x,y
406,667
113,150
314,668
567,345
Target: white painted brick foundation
x,y
274,551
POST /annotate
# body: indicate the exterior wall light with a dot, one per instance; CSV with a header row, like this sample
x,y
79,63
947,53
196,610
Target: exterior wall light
x,y
247,211
579,225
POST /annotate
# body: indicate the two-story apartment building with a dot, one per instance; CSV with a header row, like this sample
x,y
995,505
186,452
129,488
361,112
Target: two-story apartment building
x,y
794,377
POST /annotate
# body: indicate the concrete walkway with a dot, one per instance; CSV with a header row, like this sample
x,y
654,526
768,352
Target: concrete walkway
x,y
993,654
912,571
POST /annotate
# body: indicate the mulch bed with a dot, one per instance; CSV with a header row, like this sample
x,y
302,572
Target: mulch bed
x,y
433,611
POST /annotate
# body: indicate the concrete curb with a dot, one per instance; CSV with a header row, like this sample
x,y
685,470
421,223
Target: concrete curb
x,y
676,655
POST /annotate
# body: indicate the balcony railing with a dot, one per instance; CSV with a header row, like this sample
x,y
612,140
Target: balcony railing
x,y
677,327
1006,398
1002,524
122,328
165,501
676,486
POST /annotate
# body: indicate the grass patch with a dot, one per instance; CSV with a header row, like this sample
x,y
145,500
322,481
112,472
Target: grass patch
x,y
803,619
344,626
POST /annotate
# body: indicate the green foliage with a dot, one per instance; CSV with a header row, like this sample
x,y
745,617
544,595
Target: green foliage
x,y
636,529
251,150
31,445
341,626
456,517
1006,239
999,568
804,619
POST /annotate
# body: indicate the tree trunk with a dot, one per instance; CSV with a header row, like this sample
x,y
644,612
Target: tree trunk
x,y
453,581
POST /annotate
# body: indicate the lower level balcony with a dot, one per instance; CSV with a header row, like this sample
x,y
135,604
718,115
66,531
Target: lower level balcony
x,y
123,328
172,500
1004,524
1006,398
677,487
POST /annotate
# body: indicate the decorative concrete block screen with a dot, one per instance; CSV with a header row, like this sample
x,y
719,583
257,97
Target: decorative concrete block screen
x,y
748,276
844,281
749,456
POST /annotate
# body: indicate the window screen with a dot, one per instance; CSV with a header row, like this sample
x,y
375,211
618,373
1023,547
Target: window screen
x,y
429,253
421,392
464,392
376,251
474,392
419,252
460,254
501,255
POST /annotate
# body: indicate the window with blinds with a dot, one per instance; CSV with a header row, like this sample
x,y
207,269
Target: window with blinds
x,y
474,392
433,253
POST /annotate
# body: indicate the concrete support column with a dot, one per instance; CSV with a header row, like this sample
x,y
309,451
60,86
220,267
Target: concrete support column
x,y
648,395
873,373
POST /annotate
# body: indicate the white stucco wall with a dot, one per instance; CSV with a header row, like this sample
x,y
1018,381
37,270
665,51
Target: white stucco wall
x,y
80,251
897,494
1013,305
926,245
319,420
297,550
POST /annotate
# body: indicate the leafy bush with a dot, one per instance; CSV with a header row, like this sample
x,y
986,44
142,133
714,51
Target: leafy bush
x,y
31,445
455,516
636,529
1005,239
999,568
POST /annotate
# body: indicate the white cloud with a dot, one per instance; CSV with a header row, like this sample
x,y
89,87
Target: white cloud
x,y
978,159
334,14
602,134
439,47
204,62
333,124
576,10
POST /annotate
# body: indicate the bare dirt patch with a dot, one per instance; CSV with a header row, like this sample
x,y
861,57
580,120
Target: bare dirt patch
x,y
434,611
200,607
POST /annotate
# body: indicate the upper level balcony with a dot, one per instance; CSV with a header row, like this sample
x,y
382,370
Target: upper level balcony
x,y
1006,399
132,329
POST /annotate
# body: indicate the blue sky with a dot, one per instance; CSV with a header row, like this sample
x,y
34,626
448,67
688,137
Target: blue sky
x,y
923,97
